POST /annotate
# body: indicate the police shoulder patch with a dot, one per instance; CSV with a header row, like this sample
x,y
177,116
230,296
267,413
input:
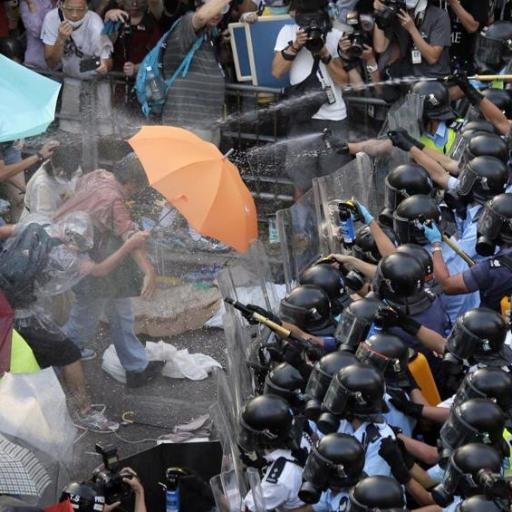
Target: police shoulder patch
x,y
372,434
275,470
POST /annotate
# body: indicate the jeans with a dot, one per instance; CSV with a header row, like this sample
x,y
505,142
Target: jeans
x,y
83,323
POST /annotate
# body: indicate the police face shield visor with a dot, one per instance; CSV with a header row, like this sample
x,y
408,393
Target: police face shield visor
x,y
336,398
384,364
409,231
461,342
489,228
466,392
357,506
489,53
444,492
318,384
392,196
251,440
467,180
351,330
298,315
293,396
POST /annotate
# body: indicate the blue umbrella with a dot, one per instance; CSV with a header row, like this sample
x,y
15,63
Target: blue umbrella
x,y
27,101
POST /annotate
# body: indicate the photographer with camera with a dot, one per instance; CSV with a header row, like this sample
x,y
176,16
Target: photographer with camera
x,y
307,51
414,37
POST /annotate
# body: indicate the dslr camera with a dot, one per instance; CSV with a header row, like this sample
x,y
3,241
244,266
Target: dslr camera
x,y
356,37
385,18
109,478
316,25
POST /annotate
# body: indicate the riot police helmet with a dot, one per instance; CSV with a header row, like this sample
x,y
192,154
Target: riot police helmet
x,y
286,381
478,125
436,103
398,276
494,226
482,178
403,181
321,377
336,462
493,47
501,98
83,496
411,214
379,492
356,391
422,255
484,144
308,307
479,503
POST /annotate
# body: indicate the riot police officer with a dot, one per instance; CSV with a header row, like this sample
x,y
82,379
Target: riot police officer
x,y
480,503
286,381
500,98
491,277
356,397
267,434
377,493
334,465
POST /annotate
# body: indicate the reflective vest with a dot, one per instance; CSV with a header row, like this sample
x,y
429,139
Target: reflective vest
x,y
22,357
508,462
429,143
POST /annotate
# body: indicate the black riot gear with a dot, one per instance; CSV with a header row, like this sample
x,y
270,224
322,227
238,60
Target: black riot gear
x,y
365,247
381,493
356,322
475,420
321,377
484,144
501,98
468,473
286,381
478,333
308,307
490,382
411,214
482,178
493,47
337,460
389,354
84,497
265,422
401,182
436,104
495,225
398,276
480,503
356,391
330,280
478,125
422,255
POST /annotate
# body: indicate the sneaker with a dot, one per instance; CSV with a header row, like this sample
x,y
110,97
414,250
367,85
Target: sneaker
x,y
138,379
87,354
96,421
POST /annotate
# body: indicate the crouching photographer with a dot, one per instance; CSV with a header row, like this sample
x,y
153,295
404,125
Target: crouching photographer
x,y
413,37
307,51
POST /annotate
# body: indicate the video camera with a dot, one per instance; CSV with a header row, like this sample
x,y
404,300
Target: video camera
x,y
109,478
385,18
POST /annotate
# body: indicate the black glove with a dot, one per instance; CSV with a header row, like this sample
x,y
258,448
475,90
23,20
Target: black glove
x,y
402,140
401,401
391,453
473,95
408,458
389,316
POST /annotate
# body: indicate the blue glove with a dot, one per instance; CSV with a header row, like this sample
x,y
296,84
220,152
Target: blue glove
x,y
363,212
432,233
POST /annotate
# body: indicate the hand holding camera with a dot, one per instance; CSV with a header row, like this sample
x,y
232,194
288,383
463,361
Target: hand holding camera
x,y
300,39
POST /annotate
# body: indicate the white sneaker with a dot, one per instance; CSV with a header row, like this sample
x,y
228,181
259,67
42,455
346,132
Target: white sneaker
x,y
96,421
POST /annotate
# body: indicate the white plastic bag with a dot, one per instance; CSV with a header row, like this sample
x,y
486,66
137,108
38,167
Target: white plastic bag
x,y
33,408
180,364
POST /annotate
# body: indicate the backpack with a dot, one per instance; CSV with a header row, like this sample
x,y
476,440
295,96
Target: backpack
x,y
154,60
22,263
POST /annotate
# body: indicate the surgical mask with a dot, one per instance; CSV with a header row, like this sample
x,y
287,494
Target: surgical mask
x,y
75,24
411,4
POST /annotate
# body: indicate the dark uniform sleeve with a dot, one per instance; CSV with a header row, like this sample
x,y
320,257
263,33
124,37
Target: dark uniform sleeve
x,y
476,277
479,9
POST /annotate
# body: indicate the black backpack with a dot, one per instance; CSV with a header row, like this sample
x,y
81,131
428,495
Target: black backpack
x,y
23,262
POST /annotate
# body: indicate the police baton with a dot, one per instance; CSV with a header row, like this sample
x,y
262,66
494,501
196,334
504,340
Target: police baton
x,y
450,243
490,78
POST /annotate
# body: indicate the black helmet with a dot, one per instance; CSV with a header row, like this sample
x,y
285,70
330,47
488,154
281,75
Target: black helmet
x,y
308,307
401,182
381,493
356,322
286,381
409,216
479,503
329,279
479,332
337,460
475,420
482,178
365,247
398,276
265,422
495,225
321,377
484,144
493,47
467,472
422,255
436,104
356,391
388,353
83,496
501,98
490,382
478,125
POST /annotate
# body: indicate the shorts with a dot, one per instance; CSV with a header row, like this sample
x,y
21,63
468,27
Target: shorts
x,y
50,346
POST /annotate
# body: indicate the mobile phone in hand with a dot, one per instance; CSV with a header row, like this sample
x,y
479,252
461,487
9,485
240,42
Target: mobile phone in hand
x,y
89,64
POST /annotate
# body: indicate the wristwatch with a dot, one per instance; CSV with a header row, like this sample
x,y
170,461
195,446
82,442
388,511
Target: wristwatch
x,y
371,68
